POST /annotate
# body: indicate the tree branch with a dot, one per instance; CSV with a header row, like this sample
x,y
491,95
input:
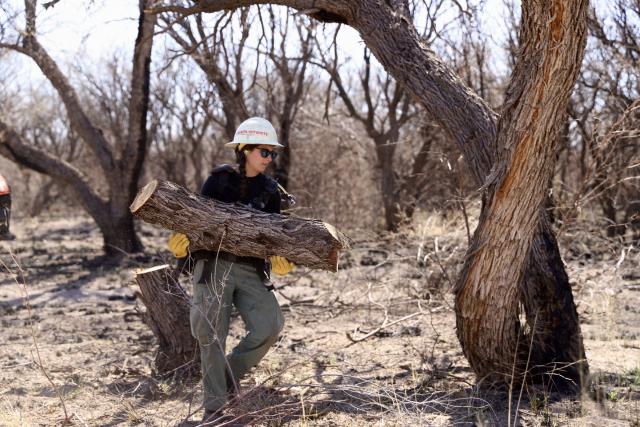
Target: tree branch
x,y
13,148
79,120
135,150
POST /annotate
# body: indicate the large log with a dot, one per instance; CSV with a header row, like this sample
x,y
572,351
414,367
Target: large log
x,y
167,315
234,228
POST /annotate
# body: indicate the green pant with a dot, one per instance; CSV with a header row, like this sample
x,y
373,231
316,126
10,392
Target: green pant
x,y
216,287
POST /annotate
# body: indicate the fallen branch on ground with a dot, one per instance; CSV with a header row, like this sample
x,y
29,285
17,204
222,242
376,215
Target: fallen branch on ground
x,y
385,324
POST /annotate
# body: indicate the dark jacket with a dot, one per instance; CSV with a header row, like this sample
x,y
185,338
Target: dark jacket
x,y
260,192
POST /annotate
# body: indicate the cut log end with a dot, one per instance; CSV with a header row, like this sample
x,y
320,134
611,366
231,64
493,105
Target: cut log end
x,y
143,195
149,270
340,237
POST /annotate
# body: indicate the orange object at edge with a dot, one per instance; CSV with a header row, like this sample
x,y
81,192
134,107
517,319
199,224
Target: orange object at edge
x,y
4,186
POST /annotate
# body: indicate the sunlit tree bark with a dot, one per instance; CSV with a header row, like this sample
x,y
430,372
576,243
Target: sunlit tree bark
x,y
552,39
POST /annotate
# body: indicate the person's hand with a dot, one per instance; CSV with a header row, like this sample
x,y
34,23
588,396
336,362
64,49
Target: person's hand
x,y
280,265
178,244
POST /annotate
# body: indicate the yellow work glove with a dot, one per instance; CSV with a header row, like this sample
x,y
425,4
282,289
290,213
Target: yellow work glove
x,y
178,244
280,265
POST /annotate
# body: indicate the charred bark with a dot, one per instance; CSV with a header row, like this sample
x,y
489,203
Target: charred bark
x,y
390,194
213,225
119,236
557,355
283,164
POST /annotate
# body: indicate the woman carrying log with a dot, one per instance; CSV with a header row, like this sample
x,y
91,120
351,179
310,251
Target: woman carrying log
x,y
222,279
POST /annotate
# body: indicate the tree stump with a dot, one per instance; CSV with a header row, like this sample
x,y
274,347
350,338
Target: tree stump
x,y
167,315
213,225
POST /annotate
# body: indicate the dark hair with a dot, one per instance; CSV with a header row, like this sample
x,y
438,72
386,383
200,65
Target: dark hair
x,y
241,158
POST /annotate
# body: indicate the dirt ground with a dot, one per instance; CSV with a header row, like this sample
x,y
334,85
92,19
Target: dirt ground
x,y
77,344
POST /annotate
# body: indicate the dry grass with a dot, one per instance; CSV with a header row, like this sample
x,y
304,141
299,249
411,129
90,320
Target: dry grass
x,y
411,372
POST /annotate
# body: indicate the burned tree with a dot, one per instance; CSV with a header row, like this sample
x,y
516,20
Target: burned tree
x,y
528,132
119,161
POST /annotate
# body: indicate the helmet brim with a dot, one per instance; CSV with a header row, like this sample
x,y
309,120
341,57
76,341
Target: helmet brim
x,y
234,144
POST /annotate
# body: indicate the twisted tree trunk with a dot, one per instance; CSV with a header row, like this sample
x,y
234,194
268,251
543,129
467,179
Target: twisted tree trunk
x,y
552,44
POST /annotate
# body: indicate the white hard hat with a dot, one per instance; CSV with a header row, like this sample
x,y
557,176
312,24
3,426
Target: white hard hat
x,y
255,131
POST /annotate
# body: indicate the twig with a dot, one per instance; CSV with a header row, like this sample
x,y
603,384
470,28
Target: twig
x,y
294,301
23,288
526,368
513,376
381,327
84,423
49,4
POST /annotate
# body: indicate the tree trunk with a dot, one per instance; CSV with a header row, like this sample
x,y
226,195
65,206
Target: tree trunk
x,y
167,315
552,40
557,352
385,148
213,225
607,202
391,201
119,236
415,182
283,164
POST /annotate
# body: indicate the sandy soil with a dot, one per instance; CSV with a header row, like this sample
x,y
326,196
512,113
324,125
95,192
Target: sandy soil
x,y
73,340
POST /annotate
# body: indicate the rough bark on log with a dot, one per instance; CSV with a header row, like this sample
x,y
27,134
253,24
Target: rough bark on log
x,y
167,315
214,225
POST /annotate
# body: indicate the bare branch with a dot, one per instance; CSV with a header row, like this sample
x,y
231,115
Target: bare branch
x,y
12,147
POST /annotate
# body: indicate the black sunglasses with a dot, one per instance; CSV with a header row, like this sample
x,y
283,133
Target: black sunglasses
x,y
266,153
